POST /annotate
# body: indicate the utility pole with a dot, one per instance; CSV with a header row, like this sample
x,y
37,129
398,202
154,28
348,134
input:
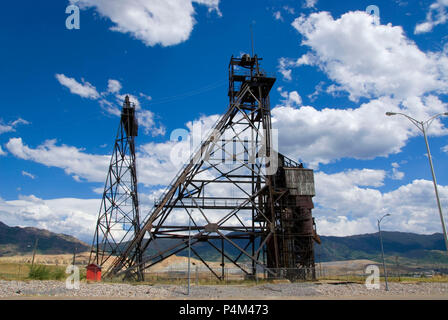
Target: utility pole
x,y
34,252
398,268
435,186
189,253
382,250
74,256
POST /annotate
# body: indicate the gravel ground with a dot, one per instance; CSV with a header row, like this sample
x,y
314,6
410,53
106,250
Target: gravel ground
x,y
419,289
18,289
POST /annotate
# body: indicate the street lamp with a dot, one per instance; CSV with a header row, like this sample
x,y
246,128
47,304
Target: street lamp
x,y
189,251
423,126
382,249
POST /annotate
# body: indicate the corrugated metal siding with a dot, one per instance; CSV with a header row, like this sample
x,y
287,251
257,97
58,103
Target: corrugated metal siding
x,y
300,182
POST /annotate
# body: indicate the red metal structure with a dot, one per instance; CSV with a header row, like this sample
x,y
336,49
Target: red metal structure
x,y
93,272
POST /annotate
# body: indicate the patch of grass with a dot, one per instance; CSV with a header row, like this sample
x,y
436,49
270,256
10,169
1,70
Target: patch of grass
x,y
59,274
39,272
362,279
14,271
436,278
44,272
22,271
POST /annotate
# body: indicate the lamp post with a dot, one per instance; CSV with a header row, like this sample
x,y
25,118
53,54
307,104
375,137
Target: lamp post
x,y
423,126
189,252
382,249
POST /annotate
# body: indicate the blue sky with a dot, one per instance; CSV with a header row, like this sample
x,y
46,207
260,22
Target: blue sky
x,y
337,72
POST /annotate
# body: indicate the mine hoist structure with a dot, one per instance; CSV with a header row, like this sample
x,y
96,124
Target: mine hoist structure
x,y
235,194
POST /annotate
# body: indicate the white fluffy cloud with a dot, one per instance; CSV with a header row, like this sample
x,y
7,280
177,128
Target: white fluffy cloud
x,y
164,22
323,136
75,217
2,152
368,60
109,107
396,174
436,15
290,99
11,126
29,175
74,161
84,89
153,162
5,128
154,165
19,121
348,203
146,120
284,67
348,193
310,3
113,86
278,15
287,10
157,163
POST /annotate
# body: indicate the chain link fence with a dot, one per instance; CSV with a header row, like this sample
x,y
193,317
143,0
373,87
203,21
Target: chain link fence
x,y
340,271
199,274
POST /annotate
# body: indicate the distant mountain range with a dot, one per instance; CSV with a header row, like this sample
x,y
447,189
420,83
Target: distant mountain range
x,y
18,241
408,246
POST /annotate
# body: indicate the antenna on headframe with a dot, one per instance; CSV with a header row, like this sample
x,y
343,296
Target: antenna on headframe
x,y
252,37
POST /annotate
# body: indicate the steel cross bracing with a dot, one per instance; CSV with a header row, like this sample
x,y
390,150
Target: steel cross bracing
x,y
226,190
118,219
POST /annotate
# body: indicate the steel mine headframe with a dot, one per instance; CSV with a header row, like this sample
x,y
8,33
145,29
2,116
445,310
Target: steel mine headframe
x,y
118,219
235,192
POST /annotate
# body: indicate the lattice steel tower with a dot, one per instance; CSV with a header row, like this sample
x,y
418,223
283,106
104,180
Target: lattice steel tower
x,y
118,219
236,194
